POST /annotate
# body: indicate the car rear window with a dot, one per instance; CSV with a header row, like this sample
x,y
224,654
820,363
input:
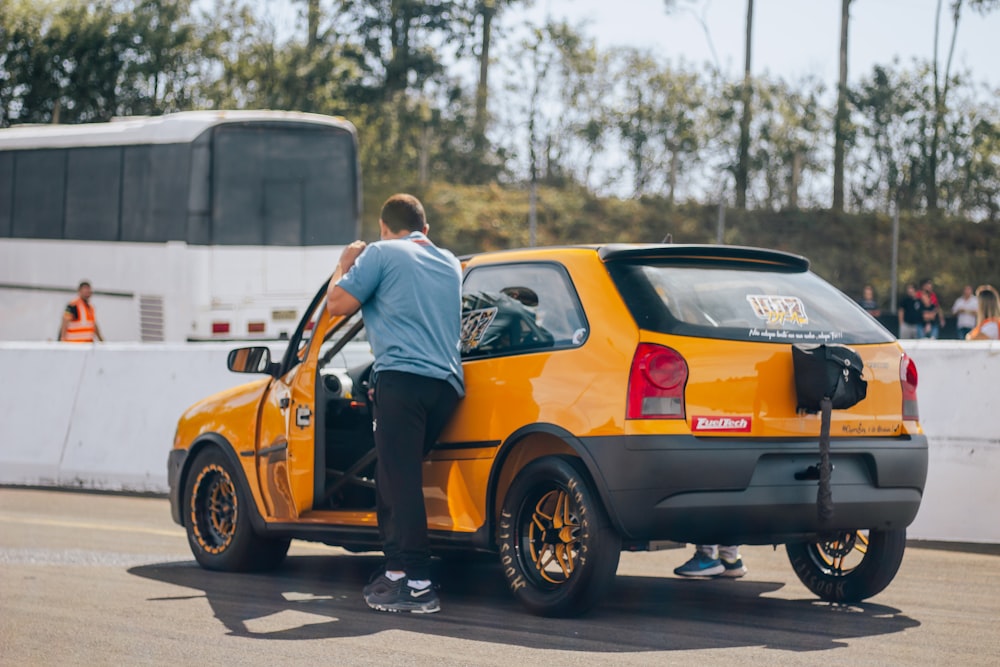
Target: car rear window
x,y
742,301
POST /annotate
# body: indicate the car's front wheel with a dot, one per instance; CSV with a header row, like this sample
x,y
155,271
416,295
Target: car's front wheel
x,y
558,549
850,567
218,523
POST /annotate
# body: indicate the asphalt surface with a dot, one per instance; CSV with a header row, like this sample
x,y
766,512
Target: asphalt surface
x,y
91,579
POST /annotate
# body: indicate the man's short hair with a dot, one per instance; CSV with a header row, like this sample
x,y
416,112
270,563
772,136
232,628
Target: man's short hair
x,y
403,212
83,283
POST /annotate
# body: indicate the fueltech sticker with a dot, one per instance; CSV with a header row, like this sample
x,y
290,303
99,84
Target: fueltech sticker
x,y
723,424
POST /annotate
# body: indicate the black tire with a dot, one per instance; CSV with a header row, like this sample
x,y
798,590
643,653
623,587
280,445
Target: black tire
x,y
558,550
853,567
217,517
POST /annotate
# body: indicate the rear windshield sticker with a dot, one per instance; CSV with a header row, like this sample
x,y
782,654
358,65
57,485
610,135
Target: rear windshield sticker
x,y
474,325
778,310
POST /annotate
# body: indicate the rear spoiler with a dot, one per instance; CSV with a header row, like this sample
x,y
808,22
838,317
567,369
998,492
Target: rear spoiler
x,y
691,253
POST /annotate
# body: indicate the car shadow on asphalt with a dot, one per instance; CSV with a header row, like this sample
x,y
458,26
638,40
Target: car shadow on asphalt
x,y
315,597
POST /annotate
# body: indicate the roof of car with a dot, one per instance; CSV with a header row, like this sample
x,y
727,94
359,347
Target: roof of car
x,y
677,252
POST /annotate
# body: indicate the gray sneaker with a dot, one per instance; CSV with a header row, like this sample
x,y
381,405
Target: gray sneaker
x,y
384,594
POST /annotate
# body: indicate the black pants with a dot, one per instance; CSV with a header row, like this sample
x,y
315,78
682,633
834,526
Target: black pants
x,y
410,411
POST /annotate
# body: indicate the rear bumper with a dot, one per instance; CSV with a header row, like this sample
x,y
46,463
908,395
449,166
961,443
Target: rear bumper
x,y
745,491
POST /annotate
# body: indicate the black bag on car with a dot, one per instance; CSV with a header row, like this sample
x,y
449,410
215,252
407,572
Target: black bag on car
x,y
828,371
827,378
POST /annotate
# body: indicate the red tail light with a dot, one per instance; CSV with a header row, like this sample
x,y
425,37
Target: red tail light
x,y
656,383
220,327
908,381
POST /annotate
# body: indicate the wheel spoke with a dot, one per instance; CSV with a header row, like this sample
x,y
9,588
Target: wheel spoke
x,y
557,519
861,543
567,518
838,565
544,558
565,555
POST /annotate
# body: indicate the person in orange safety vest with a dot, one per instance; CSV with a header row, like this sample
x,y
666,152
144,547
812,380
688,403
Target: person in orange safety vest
x,y
78,323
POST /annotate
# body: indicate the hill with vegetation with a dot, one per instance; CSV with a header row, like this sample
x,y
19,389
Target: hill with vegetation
x,y
848,250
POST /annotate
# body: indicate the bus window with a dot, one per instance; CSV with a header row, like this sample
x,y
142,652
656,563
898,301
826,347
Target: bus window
x,y
93,189
282,212
155,194
285,186
6,186
199,228
39,194
331,217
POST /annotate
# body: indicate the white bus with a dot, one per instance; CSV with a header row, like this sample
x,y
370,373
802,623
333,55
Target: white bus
x,y
191,226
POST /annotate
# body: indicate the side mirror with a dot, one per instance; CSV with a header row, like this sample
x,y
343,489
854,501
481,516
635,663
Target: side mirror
x,y
250,360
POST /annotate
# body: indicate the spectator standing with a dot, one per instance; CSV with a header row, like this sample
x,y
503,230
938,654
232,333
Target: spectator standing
x,y
78,322
988,324
933,315
965,309
910,312
713,560
868,302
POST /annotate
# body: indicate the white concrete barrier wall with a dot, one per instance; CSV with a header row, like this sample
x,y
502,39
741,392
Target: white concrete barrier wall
x,y
958,390
103,417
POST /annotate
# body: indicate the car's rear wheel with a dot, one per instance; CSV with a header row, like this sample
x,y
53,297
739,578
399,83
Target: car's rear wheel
x,y
218,523
558,549
850,567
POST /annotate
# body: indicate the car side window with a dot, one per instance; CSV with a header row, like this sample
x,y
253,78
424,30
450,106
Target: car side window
x,y
520,308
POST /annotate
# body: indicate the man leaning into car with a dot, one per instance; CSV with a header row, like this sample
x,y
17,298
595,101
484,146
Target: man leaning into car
x,y
409,292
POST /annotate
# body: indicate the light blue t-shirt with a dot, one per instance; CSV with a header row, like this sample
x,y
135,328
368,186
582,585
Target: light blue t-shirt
x,y
411,299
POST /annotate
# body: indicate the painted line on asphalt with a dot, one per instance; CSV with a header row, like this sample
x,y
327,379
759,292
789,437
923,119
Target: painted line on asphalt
x,y
178,532
57,523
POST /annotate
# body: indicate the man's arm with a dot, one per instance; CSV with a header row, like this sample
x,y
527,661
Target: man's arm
x,y
338,300
62,327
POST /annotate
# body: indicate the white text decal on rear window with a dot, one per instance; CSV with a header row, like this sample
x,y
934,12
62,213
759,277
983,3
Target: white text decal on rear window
x,y
780,310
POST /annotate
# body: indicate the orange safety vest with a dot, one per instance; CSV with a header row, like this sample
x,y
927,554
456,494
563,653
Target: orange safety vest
x,y
975,332
83,329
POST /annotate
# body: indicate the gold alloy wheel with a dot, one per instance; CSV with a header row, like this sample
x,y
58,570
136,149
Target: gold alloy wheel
x,y
841,556
553,537
213,509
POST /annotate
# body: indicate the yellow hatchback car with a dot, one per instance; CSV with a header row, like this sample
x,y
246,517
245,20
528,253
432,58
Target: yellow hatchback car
x,y
618,397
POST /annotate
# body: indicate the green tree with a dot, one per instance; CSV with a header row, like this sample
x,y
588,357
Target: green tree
x,y
486,11
660,117
74,62
893,113
746,95
841,118
787,129
62,62
942,83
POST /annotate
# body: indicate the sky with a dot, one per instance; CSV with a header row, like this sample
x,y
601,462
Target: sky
x,y
792,39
